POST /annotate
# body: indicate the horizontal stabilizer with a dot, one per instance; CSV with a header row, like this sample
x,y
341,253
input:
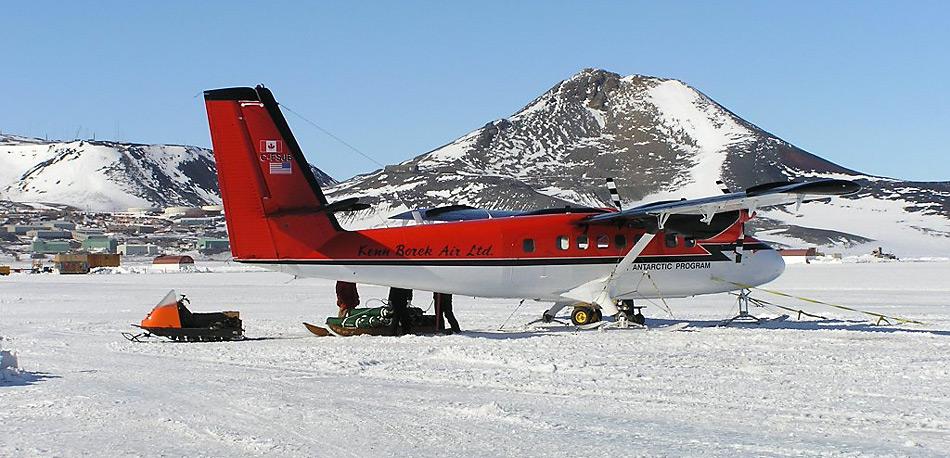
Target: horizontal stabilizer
x,y
352,204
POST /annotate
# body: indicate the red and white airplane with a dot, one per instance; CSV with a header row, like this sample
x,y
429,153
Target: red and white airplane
x,y
593,259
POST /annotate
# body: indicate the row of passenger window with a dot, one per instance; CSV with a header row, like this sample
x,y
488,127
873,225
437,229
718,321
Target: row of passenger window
x,y
582,242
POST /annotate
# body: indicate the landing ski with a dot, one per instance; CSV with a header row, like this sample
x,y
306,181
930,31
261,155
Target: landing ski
x,y
317,330
610,325
671,327
604,326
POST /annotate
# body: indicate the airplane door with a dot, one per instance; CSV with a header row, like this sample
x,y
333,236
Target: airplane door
x,y
525,278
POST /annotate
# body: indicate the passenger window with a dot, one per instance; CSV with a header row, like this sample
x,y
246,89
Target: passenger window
x,y
528,245
563,242
620,241
603,241
671,240
582,242
689,242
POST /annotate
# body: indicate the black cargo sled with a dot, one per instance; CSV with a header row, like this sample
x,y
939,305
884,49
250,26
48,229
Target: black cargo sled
x,y
375,321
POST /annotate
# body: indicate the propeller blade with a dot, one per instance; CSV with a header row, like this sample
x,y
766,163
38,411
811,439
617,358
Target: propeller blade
x,y
723,187
614,194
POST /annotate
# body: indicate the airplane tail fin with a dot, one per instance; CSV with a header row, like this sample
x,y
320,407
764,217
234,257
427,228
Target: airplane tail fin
x,y
273,205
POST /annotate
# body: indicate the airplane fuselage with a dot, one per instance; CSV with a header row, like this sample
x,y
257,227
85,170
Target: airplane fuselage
x,y
535,257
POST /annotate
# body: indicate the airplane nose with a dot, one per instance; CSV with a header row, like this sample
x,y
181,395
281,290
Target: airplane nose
x,y
766,265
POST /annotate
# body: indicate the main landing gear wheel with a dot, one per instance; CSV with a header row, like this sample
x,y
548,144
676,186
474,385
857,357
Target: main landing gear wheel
x,y
581,316
585,315
598,315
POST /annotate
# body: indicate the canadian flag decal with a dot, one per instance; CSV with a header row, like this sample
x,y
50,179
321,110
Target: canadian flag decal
x,y
272,146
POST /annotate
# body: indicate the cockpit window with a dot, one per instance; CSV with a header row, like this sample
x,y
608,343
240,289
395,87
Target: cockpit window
x,y
671,240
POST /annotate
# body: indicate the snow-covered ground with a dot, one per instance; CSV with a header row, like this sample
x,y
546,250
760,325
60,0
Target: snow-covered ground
x,y
792,388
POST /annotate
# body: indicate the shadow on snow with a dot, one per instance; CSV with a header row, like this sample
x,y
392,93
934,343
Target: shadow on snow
x,y
807,325
660,323
23,378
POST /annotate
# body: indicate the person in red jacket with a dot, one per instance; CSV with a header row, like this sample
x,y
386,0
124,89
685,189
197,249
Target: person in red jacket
x,y
347,298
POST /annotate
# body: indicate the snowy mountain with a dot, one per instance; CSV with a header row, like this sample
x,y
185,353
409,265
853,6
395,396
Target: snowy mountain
x,y
660,139
104,176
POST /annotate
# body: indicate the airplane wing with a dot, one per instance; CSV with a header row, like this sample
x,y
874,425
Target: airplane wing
x,y
453,213
761,196
684,215
467,213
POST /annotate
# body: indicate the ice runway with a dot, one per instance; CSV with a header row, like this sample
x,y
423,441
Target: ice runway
x,y
839,387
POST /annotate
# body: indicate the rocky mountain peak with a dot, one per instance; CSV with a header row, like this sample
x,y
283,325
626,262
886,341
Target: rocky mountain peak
x,y
591,87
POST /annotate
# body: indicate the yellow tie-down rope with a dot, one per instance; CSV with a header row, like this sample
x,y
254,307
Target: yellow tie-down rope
x,y
880,317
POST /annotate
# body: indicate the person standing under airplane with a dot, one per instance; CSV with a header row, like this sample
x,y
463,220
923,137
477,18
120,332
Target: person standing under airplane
x,y
399,299
443,305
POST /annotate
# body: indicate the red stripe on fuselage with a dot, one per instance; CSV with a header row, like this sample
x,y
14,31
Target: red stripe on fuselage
x,y
496,239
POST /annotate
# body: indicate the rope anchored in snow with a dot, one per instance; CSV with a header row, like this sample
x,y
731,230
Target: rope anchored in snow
x,y
511,315
763,303
881,318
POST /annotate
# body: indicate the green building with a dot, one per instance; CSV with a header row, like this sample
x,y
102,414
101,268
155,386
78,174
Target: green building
x,y
100,244
41,246
209,245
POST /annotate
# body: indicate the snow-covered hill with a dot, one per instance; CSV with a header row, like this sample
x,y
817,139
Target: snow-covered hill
x,y
660,139
104,176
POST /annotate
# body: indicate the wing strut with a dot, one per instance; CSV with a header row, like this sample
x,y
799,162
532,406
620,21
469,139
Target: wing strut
x,y
599,291
631,255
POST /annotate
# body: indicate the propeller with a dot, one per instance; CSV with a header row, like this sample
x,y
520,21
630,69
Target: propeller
x,y
614,194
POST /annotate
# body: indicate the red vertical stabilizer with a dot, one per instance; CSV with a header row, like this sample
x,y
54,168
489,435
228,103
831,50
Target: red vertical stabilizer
x,y
272,202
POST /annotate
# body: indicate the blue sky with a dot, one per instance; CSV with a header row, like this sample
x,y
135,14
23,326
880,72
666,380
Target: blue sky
x,y
864,84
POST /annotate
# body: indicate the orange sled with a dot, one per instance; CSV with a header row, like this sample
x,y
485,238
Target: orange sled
x,y
172,319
